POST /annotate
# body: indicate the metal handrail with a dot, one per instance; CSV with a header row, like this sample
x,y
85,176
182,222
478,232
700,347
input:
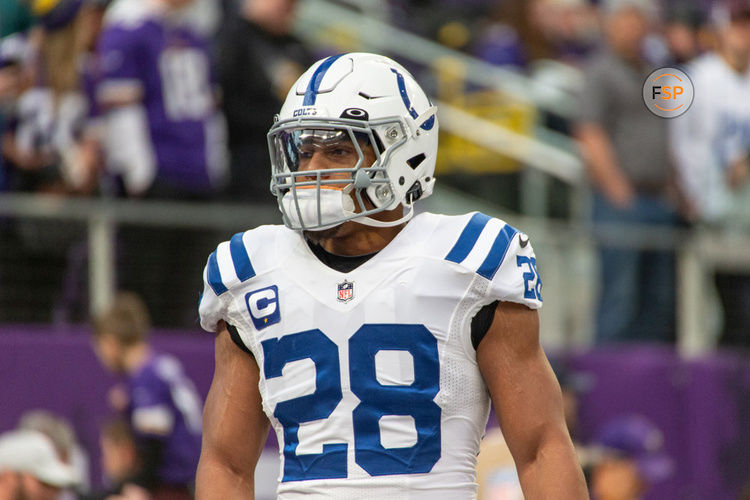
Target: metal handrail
x,y
230,216
551,160
699,251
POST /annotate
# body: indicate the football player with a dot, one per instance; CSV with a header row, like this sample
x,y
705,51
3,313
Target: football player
x,y
370,338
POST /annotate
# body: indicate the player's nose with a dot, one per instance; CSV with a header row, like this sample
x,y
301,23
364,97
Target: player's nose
x,y
317,161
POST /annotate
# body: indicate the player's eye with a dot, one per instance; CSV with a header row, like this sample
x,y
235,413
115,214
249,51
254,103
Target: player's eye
x,y
341,153
306,153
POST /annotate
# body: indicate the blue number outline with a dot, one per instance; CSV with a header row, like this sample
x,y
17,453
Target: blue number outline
x,y
530,291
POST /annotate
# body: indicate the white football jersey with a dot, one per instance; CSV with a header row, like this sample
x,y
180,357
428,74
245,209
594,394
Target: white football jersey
x,y
369,377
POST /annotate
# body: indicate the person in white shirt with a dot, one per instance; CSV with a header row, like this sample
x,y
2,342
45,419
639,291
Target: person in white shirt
x,y
710,144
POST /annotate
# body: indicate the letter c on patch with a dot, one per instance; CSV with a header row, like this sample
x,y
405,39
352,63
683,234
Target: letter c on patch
x,y
263,306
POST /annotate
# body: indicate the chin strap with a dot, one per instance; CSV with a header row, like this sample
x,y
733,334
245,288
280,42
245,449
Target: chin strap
x,y
369,221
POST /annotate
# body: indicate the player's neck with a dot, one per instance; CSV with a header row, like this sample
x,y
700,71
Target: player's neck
x,y
352,238
358,239
135,357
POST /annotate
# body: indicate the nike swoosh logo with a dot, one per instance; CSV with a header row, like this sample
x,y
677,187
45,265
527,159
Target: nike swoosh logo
x,y
371,97
523,240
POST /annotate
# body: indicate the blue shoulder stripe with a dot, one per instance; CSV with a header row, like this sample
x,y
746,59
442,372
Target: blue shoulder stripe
x,y
468,238
311,93
497,253
214,276
240,258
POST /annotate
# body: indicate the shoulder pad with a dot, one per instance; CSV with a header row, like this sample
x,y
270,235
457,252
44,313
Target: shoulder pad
x,y
237,260
482,245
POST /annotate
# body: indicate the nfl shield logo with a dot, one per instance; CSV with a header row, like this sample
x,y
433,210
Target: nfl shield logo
x,y
346,291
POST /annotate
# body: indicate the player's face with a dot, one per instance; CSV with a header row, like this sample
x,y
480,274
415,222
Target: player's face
x,y
339,152
330,150
110,352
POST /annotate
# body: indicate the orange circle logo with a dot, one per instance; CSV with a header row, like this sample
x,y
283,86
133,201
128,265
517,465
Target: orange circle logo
x,y
668,92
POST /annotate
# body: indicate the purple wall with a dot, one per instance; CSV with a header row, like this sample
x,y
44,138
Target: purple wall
x,y
703,406
58,371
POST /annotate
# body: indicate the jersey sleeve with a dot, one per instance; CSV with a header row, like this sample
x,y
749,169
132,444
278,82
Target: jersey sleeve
x,y
210,308
151,407
503,256
517,279
227,267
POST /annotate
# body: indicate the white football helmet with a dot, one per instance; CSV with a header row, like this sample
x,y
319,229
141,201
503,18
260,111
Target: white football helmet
x,y
352,107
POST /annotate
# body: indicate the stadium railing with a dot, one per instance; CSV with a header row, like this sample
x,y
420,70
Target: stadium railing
x,y
566,252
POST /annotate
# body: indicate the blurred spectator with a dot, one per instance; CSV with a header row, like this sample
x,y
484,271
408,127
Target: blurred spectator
x,y
14,55
160,403
164,139
508,38
259,60
626,153
48,117
50,114
681,32
119,453
85,164
521,31
63,437
165,136
570,29
630,459
30,469
711,143
16,21
205,16
119,458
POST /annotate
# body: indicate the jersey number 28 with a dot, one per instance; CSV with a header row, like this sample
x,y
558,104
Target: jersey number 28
x,y
376,400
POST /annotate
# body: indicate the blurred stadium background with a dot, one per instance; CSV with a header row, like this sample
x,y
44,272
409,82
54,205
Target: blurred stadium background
x,y
506,76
